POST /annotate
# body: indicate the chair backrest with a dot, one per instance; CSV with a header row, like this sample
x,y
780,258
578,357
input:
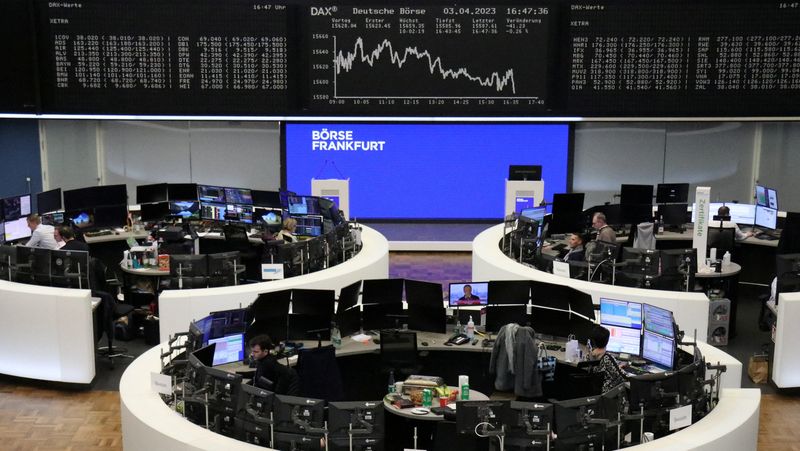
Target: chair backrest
x,y
645,239
722,238
398,348
319,374
236,237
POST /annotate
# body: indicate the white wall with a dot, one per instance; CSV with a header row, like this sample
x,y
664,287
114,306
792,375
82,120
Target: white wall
x,y
779,162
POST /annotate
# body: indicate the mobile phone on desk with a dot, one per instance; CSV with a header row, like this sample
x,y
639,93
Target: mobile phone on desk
x,y
459,339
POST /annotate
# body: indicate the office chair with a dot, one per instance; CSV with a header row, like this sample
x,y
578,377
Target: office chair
x,y
319,374
399,353
236,239
722,238
102,284
645,238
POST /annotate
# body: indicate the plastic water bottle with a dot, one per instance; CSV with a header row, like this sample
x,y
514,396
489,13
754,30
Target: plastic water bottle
x,y
336,336
470,328
726,259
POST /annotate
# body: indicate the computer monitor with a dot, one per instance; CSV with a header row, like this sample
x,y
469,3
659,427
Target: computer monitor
x,y
154,212
670,193
185,209
242,196
673,214
636,213
303,205
551,295
69,268
239,213
653,392
348,296
17,229
620,313
772,198
188,265
223,389
624,339
635,195
574,424
658,349
359,418
204,355
213,212
81,219
523,203
382,291
229,349
269,199
298,415
658,320
470,293
509,292
743,214
182,191
48,201
472,416
268,216
211,194
642,261
525,172
255,405
146,194
311,314
223,323
528,424
427,294
16,207
761,196
111,216
310,225
296,442
535,213
766,218
109,195
567,204
498,316
427,318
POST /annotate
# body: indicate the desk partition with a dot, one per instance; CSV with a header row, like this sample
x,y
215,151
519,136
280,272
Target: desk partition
x,y
786,360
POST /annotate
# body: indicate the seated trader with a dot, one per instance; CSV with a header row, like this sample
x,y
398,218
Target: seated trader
x,y
70,243
576,252
608,367
604,231
287,232
726,211
42,235
270,374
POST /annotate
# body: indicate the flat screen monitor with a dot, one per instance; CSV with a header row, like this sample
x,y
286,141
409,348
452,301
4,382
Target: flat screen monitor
x,y
109,195
382,291
620,313
147,194
636,195
427,318
213,212
229,349
188,265
658,320
658,349
673,214
743,214
472,414
268,216
471,293
525,172
111,216
303,205
76,199
624,339
523,202
772,198
509,292
766,218
567,203
17,229
185,209
573,424
361,418
227,322
211,194
526,418
670,193
239,213
81,219
498,316
243,196
636,213
154,212
761,196
535,213
292,412
424,293
48,201
309,225
182,191
16,207
269,199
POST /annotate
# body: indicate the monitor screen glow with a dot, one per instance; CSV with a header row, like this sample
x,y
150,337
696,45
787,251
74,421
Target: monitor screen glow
x,y
229,349
761,196
620,313
472,293
624,339
17,229
659,350
766,218
658,320
772,198
743,214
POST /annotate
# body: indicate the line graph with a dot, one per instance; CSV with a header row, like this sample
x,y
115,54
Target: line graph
x,y
345,60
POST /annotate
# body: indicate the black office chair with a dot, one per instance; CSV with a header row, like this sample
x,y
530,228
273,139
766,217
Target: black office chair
x,y
399,353
103,283
319,374
721,238
236,239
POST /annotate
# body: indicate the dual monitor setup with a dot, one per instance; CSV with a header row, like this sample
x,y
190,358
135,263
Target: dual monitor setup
x,y
57,268
638,329
13,213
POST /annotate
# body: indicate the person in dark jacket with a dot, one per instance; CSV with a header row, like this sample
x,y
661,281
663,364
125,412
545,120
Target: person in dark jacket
x,y
608,367
270,374
70,243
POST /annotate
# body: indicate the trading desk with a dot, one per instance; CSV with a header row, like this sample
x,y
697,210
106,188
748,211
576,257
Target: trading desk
x,y
149,423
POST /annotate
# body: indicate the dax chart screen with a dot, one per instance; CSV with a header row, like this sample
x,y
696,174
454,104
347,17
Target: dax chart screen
x,y
400,60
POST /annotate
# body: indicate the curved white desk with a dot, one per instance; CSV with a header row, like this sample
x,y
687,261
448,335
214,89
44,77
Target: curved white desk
x,y
786,363
148,423
178,307
489,263
46,333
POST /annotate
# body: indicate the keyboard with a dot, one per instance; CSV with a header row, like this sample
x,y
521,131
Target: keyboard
x,y
98,233
765,236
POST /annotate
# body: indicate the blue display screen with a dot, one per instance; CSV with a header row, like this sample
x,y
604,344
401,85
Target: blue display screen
x,y
426,171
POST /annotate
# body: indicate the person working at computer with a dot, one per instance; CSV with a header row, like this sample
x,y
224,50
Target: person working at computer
x,y
576,252
67,235
287,232
468,296
604,231
270,374
726,211
608,366
42,235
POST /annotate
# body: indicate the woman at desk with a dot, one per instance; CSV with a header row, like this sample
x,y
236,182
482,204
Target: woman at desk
x,y
608,367
287,232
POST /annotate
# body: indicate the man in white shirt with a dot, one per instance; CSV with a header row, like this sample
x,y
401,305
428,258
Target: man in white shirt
x,y
726,211
42,235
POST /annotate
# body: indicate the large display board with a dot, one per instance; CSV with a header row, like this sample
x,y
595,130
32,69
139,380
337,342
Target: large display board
x,y
592,58
458,59
164,57
426,171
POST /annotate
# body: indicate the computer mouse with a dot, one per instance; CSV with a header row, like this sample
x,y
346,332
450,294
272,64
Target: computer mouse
x,y
423,343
